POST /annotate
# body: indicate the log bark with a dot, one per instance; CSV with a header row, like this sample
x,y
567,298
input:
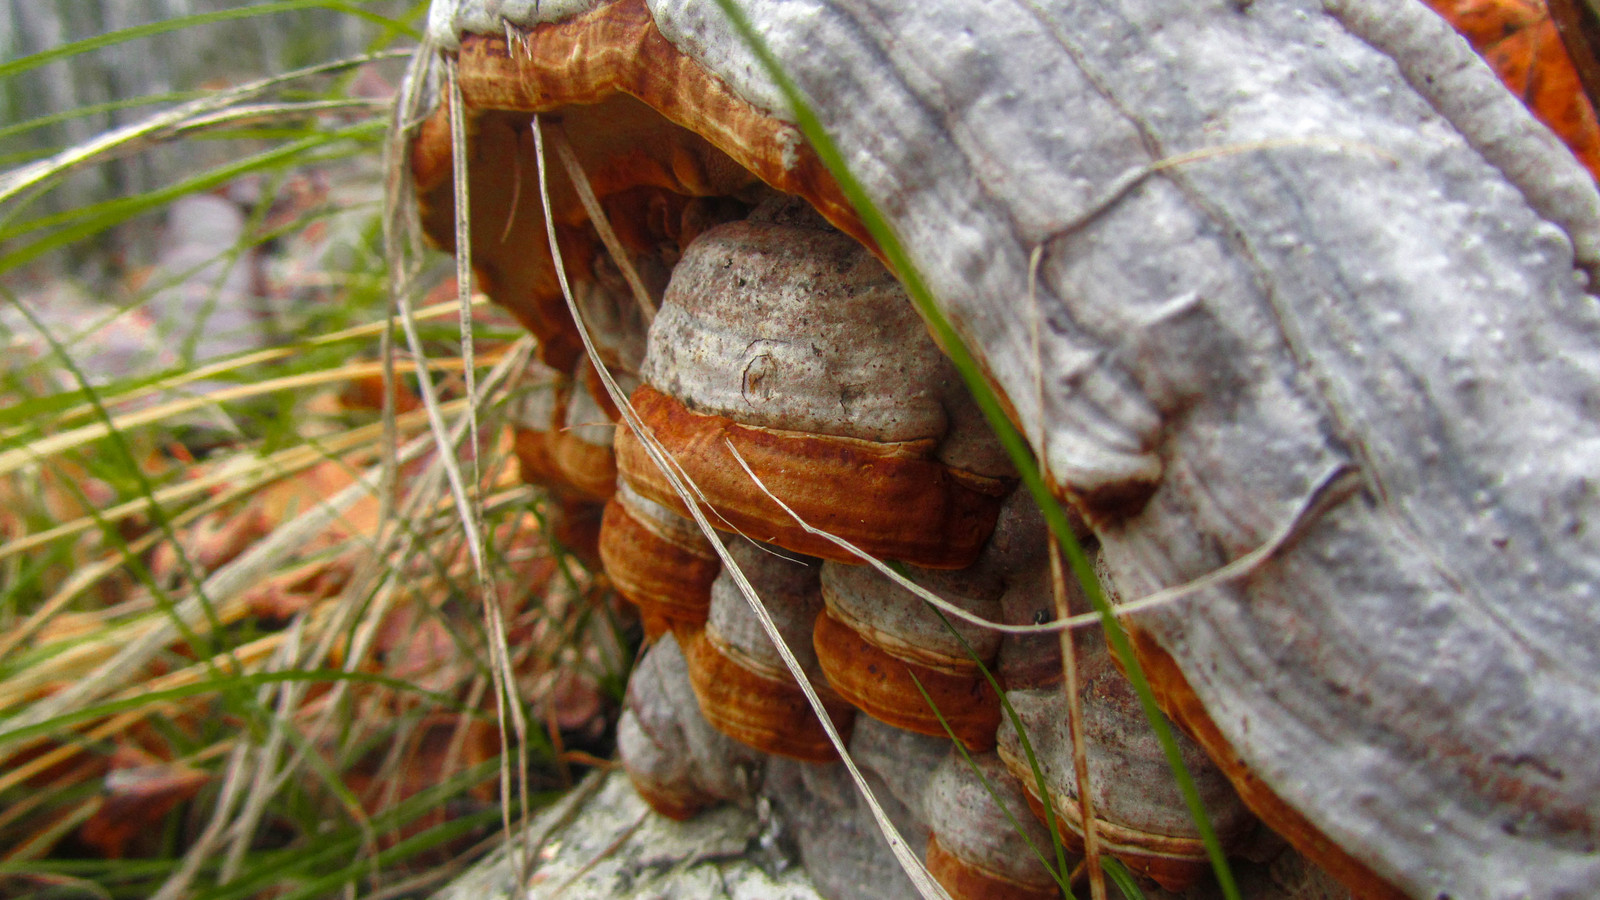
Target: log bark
x,y
603,842
1299,264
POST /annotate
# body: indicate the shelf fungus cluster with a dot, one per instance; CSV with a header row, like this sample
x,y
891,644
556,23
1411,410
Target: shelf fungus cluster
x,y
785,363
1183,340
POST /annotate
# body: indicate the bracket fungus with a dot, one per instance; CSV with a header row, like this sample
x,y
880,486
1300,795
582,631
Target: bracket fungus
x,y
1289,300
657,559
563,438
1149,829
563,443
676,760
883,648
743,686
782,340
974,849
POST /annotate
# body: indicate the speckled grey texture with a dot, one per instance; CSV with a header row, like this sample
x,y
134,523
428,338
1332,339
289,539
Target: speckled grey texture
x,y
902,625
664,740
787,583
603,843
798,328
701,31
980,814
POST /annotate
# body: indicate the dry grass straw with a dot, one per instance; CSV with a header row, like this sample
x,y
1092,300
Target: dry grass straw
x,y
1080,753
1332,486
924,883
133,646
108,665
211,370
255,473
403,248
316,697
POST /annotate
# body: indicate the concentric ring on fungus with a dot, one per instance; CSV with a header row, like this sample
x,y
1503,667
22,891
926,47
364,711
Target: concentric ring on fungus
x,y
1201,410
743,687
657,559
782,340
883,648
675,759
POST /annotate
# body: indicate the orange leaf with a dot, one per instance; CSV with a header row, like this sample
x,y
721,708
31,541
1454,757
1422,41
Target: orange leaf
x,y
1519,41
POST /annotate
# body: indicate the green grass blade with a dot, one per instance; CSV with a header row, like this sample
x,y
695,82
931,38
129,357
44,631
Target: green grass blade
x,y
93,109
994,412
114,212
128,464
106,213
1122,878
1059,872
307,866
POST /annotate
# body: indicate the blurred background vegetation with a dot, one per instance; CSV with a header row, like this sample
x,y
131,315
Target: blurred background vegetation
x,y
60,90
244,647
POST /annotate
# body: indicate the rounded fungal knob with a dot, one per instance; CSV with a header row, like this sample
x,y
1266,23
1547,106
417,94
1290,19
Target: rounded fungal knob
x,y
745,689
1140,815
985,843
839,843
675,759
901,661
903,761
658,560
563,436
785,342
